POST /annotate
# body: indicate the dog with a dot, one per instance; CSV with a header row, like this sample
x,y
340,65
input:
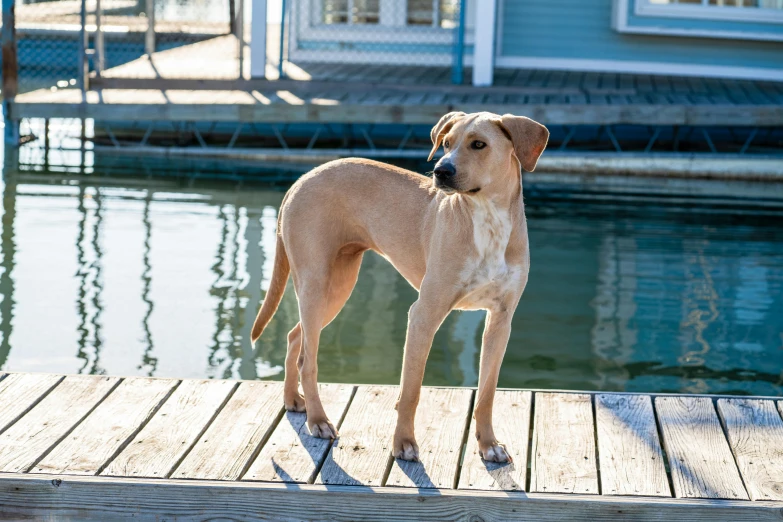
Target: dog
x,y
460,238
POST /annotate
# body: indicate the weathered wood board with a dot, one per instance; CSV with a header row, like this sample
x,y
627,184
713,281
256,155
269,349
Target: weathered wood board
x,y
37,497
511,419
629,451
242,425
21,391
108,428
755,433
563,450
700,460
293,455
362,454
441,420
27,440
238,105
166,439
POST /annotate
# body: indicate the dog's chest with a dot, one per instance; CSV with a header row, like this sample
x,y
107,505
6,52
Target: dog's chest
x,y
486,272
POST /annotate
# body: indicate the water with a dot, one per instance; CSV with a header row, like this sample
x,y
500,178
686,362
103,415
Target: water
x,y
142,275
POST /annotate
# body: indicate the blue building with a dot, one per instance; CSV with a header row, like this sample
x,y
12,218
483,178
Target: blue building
x,y
740,39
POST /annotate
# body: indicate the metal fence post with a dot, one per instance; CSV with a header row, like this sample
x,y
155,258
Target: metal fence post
x,y
10,71
99,47
84,69
459,46
149,38
280,71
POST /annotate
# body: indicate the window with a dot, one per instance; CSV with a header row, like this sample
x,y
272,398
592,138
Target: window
x,y
351,12
766,11
733,19
434,13
764,4
416,13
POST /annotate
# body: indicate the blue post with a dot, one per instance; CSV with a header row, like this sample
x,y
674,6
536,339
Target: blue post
x,y
280,73
459,46
10,71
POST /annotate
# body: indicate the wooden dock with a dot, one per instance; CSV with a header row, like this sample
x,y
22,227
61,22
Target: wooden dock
x,y
100,448
200,82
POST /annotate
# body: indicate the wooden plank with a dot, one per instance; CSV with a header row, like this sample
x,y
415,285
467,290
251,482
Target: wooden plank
x,y
362,454
629,451
242,425
755,433
108,428
512,428
441,420
239,106
50,497
21,391
293,455
167,437
50,420
563,451
700,460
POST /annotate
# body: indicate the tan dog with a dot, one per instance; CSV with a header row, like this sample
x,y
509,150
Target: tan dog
x,y
459,238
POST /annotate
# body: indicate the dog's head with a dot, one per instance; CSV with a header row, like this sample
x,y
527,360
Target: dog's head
x,y
484,150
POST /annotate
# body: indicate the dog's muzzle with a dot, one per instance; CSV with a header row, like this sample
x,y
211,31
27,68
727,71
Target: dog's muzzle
x,y
444,175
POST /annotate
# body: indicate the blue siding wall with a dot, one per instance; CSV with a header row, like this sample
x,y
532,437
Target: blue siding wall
x,y
582,29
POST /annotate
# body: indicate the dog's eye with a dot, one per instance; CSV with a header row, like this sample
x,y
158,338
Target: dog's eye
x,y
478,145
446,144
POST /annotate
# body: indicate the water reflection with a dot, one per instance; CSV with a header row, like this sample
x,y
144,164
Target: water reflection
x,y
89,260
135,276
149,363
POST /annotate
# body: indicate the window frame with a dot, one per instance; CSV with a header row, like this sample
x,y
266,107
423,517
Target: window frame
x,y
704,11
626,19
348,14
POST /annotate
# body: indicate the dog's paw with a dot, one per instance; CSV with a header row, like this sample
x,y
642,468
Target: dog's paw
x,y
406,449
495,452
322,429
295,403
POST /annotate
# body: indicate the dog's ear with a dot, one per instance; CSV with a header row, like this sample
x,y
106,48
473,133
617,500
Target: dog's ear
x,y
441,129
528,137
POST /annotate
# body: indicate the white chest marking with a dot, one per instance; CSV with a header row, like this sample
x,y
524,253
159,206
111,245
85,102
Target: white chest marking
x,y
491,233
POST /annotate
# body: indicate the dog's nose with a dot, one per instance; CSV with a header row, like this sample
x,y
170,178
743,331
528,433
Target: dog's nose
x,y
446,170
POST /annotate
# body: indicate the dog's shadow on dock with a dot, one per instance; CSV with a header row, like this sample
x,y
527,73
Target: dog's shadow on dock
x,y
319,452
415,471
503,473
393,472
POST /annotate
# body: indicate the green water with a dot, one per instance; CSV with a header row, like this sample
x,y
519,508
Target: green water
x,y
143,275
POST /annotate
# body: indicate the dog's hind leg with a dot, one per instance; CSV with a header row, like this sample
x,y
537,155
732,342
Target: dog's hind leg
x,y
321,297
292,399
345,271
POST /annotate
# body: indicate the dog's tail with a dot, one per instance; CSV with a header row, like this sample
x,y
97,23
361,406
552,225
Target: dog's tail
x,y
277,285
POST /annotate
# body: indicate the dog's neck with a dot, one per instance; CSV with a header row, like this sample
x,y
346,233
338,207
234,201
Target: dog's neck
x,y
504,192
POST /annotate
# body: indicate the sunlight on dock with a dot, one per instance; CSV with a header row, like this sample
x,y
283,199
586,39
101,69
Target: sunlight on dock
x,y
104,438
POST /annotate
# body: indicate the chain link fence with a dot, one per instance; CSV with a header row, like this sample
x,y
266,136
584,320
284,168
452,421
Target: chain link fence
x,y
62,42
400,41
59,41
48,43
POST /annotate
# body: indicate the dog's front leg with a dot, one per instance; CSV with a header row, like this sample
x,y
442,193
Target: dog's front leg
x,y
424,319
497,330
